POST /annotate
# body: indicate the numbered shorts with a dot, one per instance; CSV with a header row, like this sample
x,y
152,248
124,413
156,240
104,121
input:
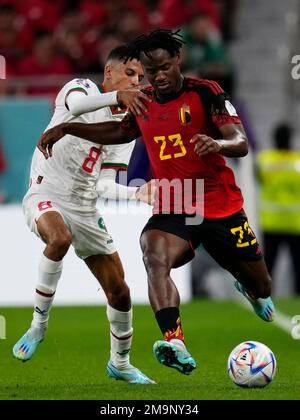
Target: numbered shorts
x,y
225,239
89,234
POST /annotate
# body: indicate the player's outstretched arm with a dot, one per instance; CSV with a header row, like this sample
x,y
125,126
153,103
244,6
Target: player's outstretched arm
x,y
110,132
107,187
233,144
135,100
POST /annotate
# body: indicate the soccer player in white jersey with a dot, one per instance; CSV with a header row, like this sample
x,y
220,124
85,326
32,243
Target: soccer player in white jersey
x,y
60,206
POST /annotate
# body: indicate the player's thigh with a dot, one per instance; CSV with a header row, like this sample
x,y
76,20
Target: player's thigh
x,y
252,274
108,270
45,218
52,228
90,235
234,246
230,238
163,250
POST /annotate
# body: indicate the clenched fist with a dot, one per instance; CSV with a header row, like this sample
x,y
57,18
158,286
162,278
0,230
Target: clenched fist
x,y
205,144
146,192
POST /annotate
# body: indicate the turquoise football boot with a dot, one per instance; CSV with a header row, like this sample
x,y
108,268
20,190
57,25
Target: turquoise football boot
x,y
131,374
27,345
264,308
174,354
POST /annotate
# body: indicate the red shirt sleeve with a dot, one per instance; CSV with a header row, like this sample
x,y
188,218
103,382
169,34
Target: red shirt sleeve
x,y
217,103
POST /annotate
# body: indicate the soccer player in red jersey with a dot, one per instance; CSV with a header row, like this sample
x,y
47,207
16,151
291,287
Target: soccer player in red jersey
x,y
189,127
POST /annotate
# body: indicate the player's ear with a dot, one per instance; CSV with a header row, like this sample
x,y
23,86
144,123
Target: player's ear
x,y
108,71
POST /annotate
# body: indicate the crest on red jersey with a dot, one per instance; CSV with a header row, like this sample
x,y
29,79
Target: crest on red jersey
x,y
185,115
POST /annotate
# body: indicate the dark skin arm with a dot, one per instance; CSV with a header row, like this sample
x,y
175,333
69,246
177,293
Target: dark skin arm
x,y
233,144
109,132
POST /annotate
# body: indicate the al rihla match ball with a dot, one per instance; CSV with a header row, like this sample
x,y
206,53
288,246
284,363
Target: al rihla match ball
x,y
251,365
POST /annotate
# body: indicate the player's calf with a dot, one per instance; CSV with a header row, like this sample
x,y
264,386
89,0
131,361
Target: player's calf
x,y
264,308
263,288
120,336
118,296
254,277
120,320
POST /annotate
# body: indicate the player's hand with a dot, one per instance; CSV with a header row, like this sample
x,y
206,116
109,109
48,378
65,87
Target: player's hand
x,y
205,144
49,138
146,192
134,100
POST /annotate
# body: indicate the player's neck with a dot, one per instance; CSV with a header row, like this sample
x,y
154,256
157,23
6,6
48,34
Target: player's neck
x,y
172,95
179,85
107,86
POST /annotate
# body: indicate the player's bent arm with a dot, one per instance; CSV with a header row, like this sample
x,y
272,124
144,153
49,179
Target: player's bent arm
x,y
109,132
234,142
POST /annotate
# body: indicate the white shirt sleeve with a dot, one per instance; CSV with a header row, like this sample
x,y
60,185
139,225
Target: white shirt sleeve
x,y
79,102
117,156
108,188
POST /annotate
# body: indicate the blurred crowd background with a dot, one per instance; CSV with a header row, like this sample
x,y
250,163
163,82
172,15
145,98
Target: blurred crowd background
x,y
246,45
43,38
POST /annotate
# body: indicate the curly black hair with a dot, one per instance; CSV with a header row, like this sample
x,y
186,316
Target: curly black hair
x,y
166,39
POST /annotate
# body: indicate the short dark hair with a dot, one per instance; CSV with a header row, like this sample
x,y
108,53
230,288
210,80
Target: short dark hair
x,y
282,136
121,53
165,39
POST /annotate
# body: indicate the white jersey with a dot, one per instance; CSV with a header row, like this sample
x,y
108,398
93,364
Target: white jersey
x,y
73,170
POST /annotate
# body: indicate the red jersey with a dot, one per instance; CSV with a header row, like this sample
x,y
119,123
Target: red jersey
x,y
200,107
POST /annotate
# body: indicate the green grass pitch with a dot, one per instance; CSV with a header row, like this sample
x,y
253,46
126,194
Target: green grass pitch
x,y
71,362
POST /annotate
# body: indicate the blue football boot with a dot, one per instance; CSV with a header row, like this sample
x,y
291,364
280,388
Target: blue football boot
x,y
174,354
130,374
264,308
27,345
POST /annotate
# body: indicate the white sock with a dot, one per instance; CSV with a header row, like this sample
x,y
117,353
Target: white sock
x,y
49,274
120,336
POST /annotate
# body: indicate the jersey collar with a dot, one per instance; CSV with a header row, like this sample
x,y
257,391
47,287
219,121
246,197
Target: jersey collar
x,y
101,88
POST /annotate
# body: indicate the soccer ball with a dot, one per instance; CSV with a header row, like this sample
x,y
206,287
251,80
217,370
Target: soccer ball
x,y
251,365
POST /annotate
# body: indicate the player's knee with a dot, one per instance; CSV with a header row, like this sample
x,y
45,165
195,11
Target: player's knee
x,y
155,262
60,242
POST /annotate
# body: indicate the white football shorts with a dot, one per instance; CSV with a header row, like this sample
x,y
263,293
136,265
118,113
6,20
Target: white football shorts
x,y
89,233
